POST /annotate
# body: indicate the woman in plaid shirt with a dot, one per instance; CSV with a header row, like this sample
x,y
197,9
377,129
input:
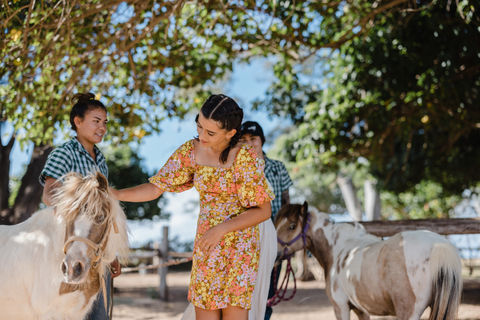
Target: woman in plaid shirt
x,y
88,118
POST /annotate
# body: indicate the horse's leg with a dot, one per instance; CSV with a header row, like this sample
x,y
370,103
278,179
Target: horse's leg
x,y
341,312
361,315
338,298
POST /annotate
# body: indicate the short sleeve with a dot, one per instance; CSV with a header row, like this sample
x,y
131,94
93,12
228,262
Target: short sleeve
x,y
59,163
177,173
252,186
286,181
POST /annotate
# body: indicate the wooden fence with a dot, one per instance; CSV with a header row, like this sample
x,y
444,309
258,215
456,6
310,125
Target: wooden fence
x,y
161,259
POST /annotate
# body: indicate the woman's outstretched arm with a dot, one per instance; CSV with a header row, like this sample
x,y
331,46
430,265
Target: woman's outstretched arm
x,y
141,193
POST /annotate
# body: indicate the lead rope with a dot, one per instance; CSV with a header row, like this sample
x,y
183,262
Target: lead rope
x,y
104,291
108,311
281,291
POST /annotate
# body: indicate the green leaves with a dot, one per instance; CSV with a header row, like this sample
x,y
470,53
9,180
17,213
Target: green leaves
x,y
398,97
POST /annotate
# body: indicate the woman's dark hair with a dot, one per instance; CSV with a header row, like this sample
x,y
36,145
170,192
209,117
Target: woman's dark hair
x,y
83,102
225,110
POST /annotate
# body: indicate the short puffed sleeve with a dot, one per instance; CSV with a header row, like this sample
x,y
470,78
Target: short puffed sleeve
x,y
252,186
177,173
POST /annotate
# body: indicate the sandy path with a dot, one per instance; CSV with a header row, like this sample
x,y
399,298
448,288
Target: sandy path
x,y
136,299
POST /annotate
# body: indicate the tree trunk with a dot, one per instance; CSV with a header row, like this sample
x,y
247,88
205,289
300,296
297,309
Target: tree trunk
x,y
372,201
30,192
4,177
350,197
476,204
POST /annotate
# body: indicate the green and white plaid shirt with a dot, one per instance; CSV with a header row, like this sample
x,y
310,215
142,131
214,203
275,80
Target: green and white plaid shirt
x,y
277,176
72,156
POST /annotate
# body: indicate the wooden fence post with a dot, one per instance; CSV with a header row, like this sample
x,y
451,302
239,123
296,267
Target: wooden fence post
x,y
162,271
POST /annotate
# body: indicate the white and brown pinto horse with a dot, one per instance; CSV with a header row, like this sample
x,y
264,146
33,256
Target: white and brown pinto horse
x,y
52,265
400,276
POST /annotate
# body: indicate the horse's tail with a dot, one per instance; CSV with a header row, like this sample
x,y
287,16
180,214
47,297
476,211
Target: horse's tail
x,y
446,270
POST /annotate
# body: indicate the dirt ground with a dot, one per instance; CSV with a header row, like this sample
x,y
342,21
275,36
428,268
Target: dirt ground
x,y
136,298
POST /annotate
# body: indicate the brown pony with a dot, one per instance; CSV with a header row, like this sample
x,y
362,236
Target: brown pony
x,y
400,276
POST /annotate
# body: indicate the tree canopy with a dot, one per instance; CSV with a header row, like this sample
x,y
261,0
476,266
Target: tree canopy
x,y
148,60
402,98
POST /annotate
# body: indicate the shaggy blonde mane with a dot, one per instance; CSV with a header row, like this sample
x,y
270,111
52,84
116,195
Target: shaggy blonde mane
x,y
89,195
83,194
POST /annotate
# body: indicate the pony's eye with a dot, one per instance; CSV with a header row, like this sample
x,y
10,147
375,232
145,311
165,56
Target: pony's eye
x,y
99,219
292,226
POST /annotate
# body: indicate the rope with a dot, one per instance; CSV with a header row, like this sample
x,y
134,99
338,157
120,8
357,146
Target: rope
x,y
281,291
156,266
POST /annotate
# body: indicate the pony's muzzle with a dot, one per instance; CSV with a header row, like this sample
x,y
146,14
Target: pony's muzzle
x,y
74,271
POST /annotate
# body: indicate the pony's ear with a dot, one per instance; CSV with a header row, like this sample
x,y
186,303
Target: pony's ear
x,y
102,182
305,207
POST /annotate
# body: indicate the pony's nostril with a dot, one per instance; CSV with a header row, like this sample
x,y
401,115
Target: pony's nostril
x,y
64,267
77,269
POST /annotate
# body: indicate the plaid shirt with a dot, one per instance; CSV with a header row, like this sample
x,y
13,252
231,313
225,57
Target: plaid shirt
x,y
278,177
72,156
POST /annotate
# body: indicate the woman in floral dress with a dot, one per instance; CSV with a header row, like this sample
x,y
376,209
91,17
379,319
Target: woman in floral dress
x,y
234,199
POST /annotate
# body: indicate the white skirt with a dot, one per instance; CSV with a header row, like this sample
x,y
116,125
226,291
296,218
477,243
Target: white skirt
x,y
268,253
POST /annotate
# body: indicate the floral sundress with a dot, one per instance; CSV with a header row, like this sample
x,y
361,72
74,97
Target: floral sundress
x,y
227,275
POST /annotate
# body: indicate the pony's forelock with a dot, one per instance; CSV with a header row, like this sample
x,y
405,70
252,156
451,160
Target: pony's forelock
x,y
83,194
290,212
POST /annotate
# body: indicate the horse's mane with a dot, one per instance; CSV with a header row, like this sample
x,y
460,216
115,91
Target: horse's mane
x,y
84,194
90,195
347,230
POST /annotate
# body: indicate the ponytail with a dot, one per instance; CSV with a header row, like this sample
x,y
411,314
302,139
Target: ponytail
x,y
233,142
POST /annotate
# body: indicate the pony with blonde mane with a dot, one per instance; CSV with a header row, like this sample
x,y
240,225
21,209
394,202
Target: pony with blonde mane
x,y
52,264
400,276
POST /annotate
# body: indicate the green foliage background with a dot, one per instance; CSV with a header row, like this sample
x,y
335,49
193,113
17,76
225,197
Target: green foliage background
x,y
385,90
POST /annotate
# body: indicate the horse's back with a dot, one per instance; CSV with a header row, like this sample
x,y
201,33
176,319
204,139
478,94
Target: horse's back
x,y
41,219
31,237
29,261
409,253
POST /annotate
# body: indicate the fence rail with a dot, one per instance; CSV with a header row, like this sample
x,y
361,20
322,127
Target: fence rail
x,y
441,226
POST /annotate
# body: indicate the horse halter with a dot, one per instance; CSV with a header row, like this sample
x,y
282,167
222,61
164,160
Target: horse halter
x,y
98,248
280,292
302,235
